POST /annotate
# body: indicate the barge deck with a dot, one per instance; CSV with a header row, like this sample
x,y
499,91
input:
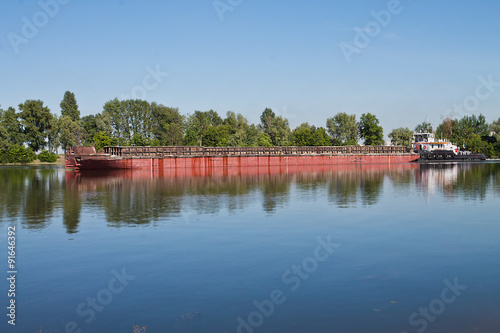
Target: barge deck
x,y
83,158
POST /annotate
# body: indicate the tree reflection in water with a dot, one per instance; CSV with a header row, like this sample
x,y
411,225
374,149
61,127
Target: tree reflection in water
x,y
37,195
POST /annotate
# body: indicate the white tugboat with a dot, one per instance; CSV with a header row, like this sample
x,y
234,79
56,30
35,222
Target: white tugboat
x,y
431,149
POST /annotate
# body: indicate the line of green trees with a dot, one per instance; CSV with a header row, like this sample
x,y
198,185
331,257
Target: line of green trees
x,y
33,127
471,133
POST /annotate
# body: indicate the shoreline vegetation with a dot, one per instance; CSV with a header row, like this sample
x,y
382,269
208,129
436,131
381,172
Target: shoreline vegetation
x,y
37,162
33,128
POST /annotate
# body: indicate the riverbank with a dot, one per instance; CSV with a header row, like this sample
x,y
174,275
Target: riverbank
x,y
60,161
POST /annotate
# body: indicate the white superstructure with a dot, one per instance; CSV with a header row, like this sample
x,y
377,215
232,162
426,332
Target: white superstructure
x,y
426,142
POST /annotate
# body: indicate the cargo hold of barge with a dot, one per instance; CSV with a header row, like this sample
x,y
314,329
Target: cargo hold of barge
x,y
86,158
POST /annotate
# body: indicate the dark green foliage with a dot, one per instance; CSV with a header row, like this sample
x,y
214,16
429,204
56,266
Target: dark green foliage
x,y
89,129
53,133
401,136
10,121
197,125
139,140
495,132
264,140
69,127
321,138
69,107
470,133
101,139
307,135
69,132
464,130
36,120
216,136
137,122
445,129
241,134
115,111
277,128
495,129
266,119
167,125
17,154
46,156
93,124
477,145
343,129
302,135
4,139
424,127
370,131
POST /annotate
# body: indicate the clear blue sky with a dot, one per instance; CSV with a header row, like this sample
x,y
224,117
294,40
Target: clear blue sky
x,y
280,54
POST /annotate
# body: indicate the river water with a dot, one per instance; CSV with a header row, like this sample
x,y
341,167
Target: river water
x,y
401,248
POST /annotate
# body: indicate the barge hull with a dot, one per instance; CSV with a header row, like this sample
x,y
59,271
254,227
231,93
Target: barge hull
x,y
97,162
440,156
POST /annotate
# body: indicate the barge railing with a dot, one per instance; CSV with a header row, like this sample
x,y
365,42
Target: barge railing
x,y
191,151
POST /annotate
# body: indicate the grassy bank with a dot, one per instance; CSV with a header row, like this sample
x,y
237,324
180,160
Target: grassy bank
x,y
60,161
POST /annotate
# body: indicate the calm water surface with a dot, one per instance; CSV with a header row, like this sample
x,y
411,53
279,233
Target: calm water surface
x,y
404,248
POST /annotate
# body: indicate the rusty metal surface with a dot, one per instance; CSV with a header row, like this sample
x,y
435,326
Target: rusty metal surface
x,y
250,151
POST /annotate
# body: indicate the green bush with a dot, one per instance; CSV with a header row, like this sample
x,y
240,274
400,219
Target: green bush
x,y
101,140
17,154
46,156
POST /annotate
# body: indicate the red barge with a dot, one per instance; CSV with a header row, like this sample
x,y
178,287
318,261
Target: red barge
x,y
86,158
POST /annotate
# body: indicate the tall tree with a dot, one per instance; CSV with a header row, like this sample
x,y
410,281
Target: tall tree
x,y
277,128
424,127
240,133
264,140
281,134
10,121
168,125
69,107
93,124
198,124
445,129
266,120
302,135
401,136
139,119
495,129
67,129
216,136
89,129
252,134
53,134
343,129
36,119
116,113
4,141
468,129
321,137
370,131
307,135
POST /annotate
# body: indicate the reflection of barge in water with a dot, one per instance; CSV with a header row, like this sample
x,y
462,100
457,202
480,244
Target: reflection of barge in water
x,y
86,158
